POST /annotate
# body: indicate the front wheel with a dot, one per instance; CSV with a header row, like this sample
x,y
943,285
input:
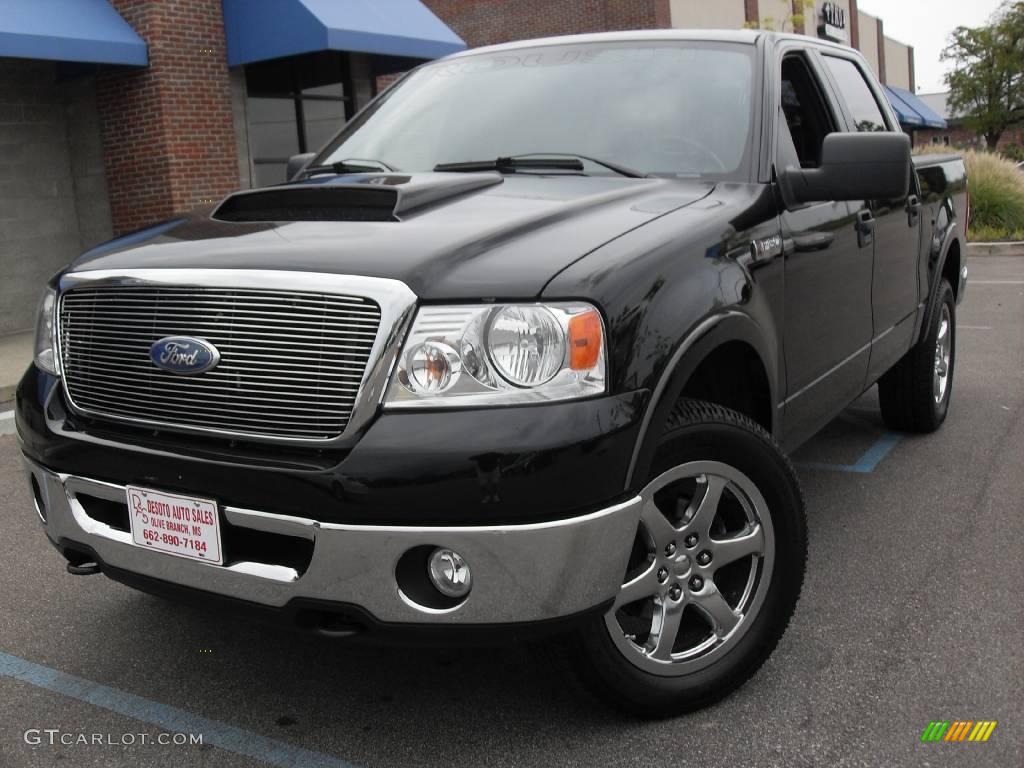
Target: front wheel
x,y
715,571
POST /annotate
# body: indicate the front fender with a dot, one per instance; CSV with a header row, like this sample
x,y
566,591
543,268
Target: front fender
x,y
678,288
704,338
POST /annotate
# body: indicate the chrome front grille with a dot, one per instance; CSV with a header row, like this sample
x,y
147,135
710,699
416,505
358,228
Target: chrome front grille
x,y
291,362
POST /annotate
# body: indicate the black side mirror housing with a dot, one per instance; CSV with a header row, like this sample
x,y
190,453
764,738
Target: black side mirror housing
x,y
296,163
854,166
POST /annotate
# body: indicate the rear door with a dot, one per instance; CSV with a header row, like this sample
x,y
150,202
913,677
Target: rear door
x,y
827,328
894,224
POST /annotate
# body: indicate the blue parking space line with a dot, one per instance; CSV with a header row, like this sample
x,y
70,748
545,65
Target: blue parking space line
x,y
170,719
866,464
873,456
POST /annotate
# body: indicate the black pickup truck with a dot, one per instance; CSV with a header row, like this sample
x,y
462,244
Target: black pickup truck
x,y
521,350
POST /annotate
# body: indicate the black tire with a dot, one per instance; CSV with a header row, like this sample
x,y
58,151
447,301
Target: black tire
x,y
700,431
906,393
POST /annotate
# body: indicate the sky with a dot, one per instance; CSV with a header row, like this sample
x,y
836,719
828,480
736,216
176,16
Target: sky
x,y
926,24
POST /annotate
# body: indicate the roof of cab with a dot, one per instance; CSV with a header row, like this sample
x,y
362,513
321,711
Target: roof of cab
x,y
744,36
748,36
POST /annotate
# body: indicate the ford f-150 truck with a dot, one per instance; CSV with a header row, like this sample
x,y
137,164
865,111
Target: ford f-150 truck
x,y
521,350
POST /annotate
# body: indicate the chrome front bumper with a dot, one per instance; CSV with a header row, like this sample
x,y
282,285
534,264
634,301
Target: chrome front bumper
x,y
521,573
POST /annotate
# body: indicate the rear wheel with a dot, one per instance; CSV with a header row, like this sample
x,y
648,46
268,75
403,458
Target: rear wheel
x,y
714,574
914,395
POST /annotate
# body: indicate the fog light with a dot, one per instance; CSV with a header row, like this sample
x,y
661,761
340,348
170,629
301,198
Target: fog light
x,y
449,573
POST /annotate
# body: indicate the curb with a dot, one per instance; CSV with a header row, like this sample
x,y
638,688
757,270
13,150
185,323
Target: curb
x,y
996,249
7,393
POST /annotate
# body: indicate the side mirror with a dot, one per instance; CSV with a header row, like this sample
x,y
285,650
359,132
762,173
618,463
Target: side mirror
x,y
296,163
854,166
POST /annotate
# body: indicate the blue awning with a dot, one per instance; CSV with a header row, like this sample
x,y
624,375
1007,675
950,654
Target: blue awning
x,y
68,30
268,29
911,111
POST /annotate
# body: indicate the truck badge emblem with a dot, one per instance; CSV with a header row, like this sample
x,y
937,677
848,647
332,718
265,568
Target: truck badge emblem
x,y
766,248
184,355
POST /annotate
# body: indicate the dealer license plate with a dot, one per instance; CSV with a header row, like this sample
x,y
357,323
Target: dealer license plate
x,y
178,525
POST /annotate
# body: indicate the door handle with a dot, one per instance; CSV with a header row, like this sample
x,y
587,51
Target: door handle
x,y
865,228
913,210
812,241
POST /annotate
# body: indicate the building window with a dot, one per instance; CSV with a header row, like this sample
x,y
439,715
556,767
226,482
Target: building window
x,y
294,105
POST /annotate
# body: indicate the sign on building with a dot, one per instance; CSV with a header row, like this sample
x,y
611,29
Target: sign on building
x,y
833,23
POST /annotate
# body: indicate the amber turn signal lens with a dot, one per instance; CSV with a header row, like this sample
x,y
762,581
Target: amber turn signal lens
x,y
585,339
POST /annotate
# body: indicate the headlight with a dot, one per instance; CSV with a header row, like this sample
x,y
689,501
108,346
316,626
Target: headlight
x,y
500,355
527,345
46,333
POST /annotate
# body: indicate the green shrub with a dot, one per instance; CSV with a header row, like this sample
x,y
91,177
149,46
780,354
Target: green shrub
x,y
1014,152
997,195
993,235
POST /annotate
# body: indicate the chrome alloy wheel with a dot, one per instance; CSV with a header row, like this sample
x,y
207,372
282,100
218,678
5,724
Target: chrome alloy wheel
x,y
943,352
699,571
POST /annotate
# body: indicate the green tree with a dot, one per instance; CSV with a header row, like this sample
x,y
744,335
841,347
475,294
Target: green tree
x,y
986,85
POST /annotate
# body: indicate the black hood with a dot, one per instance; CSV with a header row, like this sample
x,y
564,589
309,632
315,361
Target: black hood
x,y
447,236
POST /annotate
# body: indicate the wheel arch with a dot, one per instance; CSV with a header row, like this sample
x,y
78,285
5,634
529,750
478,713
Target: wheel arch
x,y
951,266
948,261
728,347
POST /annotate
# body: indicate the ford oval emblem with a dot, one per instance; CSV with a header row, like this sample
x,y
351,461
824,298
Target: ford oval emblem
x,y
184,355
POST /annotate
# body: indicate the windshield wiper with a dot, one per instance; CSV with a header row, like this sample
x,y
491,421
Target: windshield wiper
x,y
512,164
567,161
352,165
622,170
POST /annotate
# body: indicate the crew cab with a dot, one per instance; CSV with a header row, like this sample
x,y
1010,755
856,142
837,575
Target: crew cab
x,y
521,350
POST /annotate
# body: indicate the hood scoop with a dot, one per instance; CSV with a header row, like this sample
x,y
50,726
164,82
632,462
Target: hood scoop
x,y
363,197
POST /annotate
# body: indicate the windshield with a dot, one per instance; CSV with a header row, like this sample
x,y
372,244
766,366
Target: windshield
x,y
673,108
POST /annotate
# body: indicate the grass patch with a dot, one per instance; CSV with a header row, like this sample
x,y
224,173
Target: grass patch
x,y
995,235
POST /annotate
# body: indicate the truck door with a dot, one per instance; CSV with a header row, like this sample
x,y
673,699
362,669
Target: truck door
x,y
827,267
895,224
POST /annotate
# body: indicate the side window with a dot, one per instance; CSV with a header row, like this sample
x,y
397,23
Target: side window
x,y
807,119
857,95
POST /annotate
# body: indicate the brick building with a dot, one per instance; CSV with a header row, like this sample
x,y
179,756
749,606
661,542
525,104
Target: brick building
x,y
956,134
115,114
482,22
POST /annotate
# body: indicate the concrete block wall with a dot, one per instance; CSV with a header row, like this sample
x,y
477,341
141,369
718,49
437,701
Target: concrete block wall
x,y
868,27
897,64
92,197
52,189
721,14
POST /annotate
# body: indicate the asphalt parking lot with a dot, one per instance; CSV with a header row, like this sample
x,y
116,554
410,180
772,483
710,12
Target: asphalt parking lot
x,y
913,611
